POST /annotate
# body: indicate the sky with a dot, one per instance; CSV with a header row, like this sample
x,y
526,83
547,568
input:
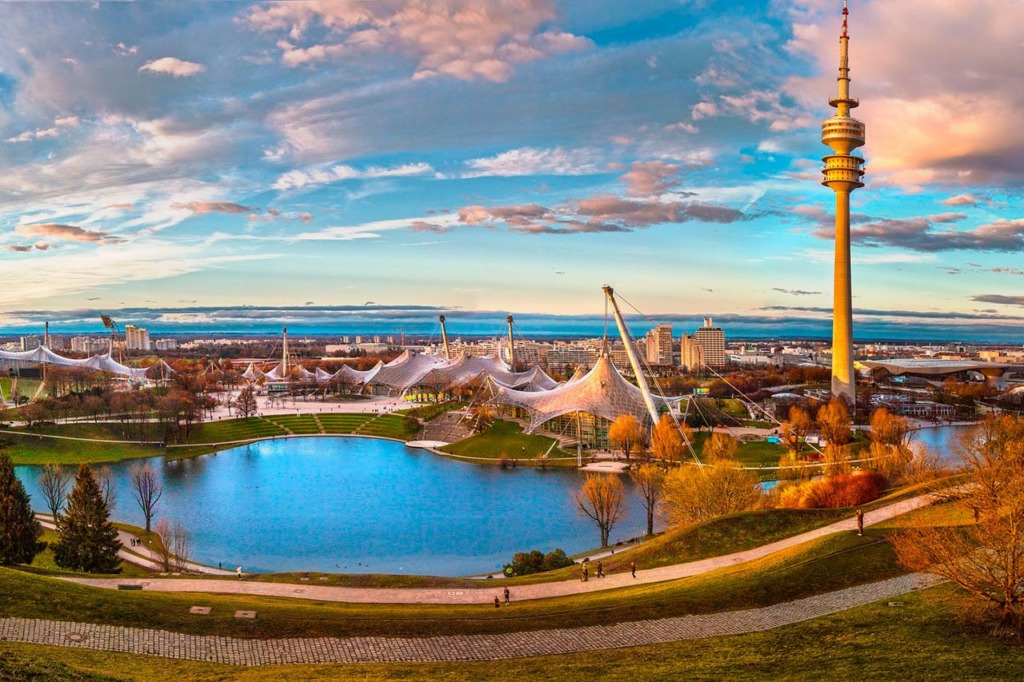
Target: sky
x,y
462,155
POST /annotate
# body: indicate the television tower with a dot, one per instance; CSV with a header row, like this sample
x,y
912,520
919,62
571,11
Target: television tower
x,y
843,174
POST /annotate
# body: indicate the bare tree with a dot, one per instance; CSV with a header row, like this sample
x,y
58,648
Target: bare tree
x,y
625,434
146,490
164,552
984,558
105,479
55,483
834,422
649,480
181,546
245,403
796,429
602,498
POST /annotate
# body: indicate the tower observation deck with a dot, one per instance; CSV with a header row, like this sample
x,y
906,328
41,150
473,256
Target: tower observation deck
x,y
842,174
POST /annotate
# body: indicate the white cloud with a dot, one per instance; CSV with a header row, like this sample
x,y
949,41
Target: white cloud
x,y
173,66
532,161
326,174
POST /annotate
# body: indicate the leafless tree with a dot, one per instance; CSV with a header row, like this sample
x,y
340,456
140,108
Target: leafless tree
x,y
181,546
694,494
984,558
245,403
649,480
55,483
146,490
105,479
602,498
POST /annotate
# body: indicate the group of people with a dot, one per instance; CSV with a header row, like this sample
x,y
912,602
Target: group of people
x,y
585,574
136,542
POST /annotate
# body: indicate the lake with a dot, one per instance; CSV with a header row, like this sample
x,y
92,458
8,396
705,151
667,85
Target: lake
x,y
360,505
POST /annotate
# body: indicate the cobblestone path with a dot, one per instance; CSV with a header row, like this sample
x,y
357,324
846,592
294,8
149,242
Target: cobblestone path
x,y
255,652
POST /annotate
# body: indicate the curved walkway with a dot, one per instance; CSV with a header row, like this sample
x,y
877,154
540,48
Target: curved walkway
x,y
253,652
485,594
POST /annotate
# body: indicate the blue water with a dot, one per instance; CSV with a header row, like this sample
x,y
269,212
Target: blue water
x,y
357,505
939,440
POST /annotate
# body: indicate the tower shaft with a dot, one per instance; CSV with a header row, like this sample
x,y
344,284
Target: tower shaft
x,y
842,174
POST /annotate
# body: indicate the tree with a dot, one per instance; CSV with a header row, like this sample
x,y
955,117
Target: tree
x,y
245,403
834,423
624,434
649,480
165,532
602,498
668,441
19,530
146,490
693,494
720,447
54,482
88,541
984,558
796,429
181,546
105,479
889,429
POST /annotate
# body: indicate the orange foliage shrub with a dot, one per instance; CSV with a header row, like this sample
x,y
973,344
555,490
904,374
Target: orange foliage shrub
x,y
830,493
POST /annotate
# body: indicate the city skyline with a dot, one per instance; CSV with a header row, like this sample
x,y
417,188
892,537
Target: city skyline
x,y
458,157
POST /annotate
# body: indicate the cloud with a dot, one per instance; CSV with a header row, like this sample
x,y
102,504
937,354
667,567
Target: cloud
x,y
461,39
173,66
650,178
67,232
532,161
920,234
966,200
796,292
326,174
201,207
999,299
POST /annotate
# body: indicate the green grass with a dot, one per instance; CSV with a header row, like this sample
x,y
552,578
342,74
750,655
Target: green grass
x,y
387,426
34,449
26,387
921,640
505,439
233,430
753,454
303,424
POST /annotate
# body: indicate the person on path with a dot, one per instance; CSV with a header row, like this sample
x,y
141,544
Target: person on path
x,y
586,573
239,571
632,568
508,595
497,604
860,522
600,569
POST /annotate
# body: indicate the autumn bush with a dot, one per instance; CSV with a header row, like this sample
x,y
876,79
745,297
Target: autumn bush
x,y
847,490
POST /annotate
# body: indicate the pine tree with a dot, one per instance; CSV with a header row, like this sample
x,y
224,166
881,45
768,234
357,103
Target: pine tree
x,y
88,541
19,530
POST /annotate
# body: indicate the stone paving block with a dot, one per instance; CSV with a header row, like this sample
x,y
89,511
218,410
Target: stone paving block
x,y
200,610
245,615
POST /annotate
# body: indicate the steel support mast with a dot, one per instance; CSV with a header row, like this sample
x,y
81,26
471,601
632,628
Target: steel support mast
x,y
631,354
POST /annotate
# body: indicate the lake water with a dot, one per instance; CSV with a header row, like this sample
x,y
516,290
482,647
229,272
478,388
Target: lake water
x,y
358,505
938,439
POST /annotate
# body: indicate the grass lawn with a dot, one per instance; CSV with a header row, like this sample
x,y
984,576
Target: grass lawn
x,y
343,423
298,424
34,449
387,426
234,429
921,640
505,439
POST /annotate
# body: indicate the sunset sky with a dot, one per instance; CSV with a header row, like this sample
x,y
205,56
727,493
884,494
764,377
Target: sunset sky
x,y
508,155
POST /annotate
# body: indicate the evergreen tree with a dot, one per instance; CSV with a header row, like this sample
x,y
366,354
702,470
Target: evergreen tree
x,y
19,530
88,541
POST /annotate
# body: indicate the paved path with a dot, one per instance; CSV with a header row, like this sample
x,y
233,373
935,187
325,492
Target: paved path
x,y
252,652
478,595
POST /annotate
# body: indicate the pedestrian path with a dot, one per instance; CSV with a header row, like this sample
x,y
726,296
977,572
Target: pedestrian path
x,y
485,594
483,647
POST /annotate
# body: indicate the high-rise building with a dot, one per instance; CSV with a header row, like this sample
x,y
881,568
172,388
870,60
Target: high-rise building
x,y
166,344
691,355
842,174
29,342
659,345
705,348
136,338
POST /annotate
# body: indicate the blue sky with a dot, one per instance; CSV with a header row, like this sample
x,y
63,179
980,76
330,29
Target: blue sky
x,y
510,155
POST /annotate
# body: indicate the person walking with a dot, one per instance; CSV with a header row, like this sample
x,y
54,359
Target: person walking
x,y
508,595
600,569
860,522
497,604
238,570
586,573
632,568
